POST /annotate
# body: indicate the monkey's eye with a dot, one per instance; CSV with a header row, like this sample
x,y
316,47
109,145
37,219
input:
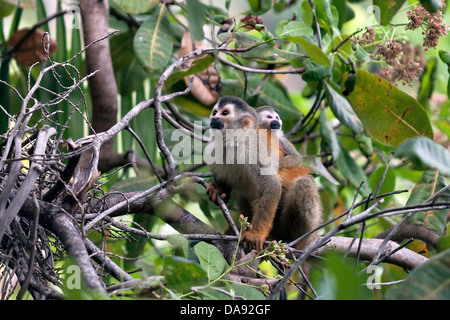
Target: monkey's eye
x,y
214,113
225,113
269,117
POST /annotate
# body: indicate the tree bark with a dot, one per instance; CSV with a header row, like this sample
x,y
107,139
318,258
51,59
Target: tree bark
x,y
56,220
103,86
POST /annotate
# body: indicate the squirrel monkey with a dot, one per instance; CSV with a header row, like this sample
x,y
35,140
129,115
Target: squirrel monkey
x,y
300,209
257,195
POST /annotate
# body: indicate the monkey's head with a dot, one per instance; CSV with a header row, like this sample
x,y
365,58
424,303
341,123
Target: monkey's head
x,y
233,113
268,118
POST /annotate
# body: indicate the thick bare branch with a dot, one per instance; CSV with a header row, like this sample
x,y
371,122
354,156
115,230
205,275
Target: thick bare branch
x,y
404,258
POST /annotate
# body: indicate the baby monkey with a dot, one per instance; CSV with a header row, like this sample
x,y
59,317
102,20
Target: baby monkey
x,y
300,208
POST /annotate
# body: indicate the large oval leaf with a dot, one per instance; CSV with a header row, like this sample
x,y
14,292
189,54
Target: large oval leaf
x,y
153,41
181,274
195,13
425,153
385,10
312,50
432,6
388,114
352,171
295,29
343,110
211,259
135,6
429,281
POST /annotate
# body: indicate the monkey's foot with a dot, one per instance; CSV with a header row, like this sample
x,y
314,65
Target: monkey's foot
x,y
253,240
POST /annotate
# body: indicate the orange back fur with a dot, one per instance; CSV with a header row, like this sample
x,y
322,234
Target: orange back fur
x,y
286,175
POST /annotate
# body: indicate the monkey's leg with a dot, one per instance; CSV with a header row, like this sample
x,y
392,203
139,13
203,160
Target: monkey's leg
x,y
301,212
264,208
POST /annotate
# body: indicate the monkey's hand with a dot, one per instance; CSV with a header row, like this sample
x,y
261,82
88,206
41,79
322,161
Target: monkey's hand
x,y
214,192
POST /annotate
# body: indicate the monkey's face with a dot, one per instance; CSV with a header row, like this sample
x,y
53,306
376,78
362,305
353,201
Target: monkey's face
x,y
270,120
232,113
221,118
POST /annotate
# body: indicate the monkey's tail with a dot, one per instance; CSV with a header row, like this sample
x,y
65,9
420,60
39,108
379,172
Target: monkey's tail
x,y
302,211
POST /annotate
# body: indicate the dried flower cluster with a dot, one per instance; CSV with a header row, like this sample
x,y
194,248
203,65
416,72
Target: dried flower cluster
x,y
404,61
432,23
389,50
243,220
367,37
278,251
250,22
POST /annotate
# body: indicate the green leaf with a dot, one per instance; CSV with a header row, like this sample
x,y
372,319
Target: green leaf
x,y
260,6
427,82
425,153
389,115
324,15
135,6
444,243
317,167
340,279
180,244
246,291
445,57
387,9
429,281
352,171
141,182
272,94
195,15
6,9
364,145
294,30
388,183
153,41
181,274
211,259
330,142
343,110
432,6
313,51
196,67
430,182
315,71
248,39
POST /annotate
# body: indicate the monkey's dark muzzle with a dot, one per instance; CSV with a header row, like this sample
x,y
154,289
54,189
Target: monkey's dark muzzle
x,y
274,124
217,123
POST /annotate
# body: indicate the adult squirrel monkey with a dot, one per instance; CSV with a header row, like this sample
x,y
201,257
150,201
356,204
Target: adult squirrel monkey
x,y
300,208
240,171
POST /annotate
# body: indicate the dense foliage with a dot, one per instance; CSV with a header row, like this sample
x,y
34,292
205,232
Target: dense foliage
x,y
363,89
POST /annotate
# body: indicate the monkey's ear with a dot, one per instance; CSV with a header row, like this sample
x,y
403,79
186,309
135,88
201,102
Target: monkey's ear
x,y
248,122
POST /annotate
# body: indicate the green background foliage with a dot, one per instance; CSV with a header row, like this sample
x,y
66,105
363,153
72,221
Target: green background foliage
x,y
349,136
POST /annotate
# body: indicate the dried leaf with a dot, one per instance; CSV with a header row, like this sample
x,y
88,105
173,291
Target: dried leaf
x,y
204,80
31,50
